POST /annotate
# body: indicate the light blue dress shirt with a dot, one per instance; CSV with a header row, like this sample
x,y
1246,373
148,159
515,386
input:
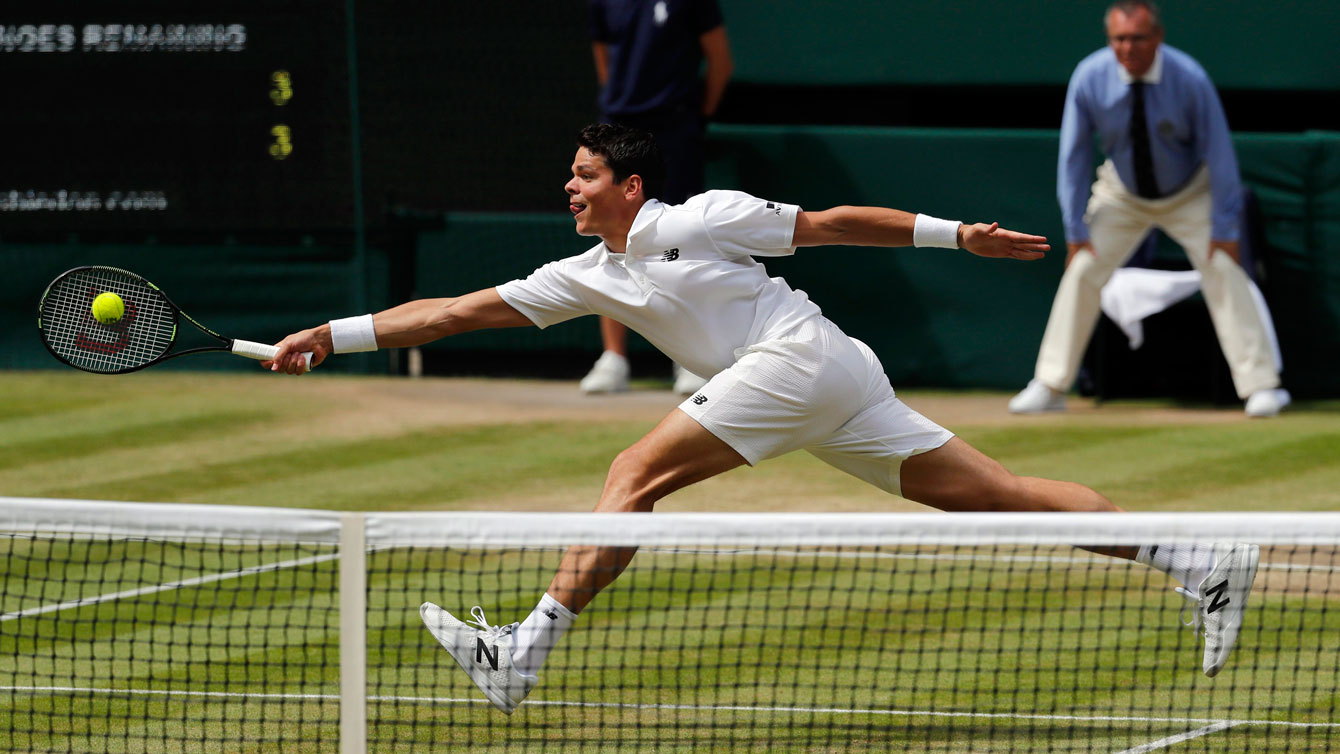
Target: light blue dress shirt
x,y
1187,128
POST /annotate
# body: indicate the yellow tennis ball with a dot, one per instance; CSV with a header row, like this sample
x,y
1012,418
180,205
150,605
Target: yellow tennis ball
x,y
108,308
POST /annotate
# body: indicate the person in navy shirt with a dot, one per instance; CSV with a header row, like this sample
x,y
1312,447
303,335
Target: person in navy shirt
x,y
647,58
1169,165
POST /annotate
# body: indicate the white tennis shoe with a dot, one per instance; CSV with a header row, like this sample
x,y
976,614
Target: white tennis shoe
x,y
608,375
1037,398
484,653
1221,601
1264,404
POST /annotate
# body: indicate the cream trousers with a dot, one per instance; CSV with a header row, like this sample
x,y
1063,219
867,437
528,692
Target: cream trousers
x,y
1118,221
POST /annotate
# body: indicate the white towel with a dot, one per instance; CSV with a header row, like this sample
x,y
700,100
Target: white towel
x,y
1134,293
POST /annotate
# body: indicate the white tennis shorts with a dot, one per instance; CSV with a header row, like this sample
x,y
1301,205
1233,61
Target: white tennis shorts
x,y
820,390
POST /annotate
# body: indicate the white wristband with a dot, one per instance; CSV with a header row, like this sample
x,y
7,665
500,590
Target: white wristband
x,y
932,231
353,334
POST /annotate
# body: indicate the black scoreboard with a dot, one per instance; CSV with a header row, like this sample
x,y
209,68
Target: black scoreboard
x,y
171,116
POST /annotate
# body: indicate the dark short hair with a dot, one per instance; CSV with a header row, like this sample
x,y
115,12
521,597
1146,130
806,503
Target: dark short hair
x,y
1127,7
627,151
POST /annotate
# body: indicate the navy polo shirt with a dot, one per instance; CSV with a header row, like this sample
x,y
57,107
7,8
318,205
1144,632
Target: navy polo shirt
x,y
654,53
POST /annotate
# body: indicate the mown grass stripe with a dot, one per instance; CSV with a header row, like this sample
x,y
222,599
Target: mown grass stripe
x,y
1262,462
209,426
552,450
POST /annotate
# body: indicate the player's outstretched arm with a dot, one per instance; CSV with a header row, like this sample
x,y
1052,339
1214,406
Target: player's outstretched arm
x,y
879,226
409,324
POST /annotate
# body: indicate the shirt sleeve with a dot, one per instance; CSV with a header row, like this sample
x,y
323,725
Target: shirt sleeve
x,y
1215,147
743,225
706,16
547,297
1074,165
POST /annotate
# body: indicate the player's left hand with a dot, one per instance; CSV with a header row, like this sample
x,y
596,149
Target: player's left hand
x,y
996,242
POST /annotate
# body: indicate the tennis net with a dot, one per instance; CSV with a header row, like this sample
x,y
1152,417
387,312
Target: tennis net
x,y
144,628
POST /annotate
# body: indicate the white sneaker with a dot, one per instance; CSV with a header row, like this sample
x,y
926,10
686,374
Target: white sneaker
x,y
485,653
1266,403
608,375
686,382
1221,601
1037,398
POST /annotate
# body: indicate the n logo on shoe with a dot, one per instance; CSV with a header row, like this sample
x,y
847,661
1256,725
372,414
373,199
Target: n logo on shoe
x,y
1218,593
482,651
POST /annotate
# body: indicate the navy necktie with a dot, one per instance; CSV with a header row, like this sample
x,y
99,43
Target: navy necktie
x,y
1145,183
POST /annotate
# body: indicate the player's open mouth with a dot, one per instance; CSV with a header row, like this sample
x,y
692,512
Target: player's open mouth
x,y
576,208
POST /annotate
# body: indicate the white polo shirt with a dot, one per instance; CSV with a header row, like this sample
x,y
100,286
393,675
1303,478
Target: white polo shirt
x,y
688,282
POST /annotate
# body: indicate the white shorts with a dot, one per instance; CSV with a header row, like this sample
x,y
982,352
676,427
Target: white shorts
x,y
820,390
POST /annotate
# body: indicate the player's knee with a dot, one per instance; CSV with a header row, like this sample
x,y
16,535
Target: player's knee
x,y
628,485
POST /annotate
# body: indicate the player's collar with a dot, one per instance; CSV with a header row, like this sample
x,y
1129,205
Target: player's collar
x,y
646,217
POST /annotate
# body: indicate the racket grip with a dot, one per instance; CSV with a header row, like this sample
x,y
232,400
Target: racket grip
x,y
263,351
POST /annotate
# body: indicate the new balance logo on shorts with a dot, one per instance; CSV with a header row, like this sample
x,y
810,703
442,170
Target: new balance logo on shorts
x,y
670,255
699,399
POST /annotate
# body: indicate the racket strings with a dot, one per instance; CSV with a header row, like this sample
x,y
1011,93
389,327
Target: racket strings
x,y
143,333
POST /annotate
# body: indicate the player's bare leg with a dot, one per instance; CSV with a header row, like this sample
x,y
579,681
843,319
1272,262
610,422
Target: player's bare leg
x,y
504,661
1217,577
957,477
677,453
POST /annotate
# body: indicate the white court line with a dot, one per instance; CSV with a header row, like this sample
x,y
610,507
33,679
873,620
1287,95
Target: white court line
x,y
198,580
1180,737
676,707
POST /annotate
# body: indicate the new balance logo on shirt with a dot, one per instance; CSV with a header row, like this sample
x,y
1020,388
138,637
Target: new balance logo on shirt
x,y
699,399
670,255
551,614
775,209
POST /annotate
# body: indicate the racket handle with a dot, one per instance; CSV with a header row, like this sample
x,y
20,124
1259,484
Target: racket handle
x,y
263,351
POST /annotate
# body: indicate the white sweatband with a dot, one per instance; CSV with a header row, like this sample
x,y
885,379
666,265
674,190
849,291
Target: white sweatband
x,y
932,231
353,334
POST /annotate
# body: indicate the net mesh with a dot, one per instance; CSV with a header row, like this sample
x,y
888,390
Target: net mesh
x,y
114,638
144,332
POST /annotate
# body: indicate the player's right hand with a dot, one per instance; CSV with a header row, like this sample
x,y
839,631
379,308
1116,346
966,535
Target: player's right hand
x,y
290,359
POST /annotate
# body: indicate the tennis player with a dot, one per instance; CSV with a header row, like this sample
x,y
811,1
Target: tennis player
x,y
785,378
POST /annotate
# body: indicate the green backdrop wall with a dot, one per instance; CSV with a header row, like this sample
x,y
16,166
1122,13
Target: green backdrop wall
x,y
1245,45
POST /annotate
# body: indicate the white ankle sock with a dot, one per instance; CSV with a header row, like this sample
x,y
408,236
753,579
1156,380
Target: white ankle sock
x,y
539,633
1189,563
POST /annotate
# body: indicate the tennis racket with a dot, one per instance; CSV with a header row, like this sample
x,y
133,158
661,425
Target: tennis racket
x,y
142,337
